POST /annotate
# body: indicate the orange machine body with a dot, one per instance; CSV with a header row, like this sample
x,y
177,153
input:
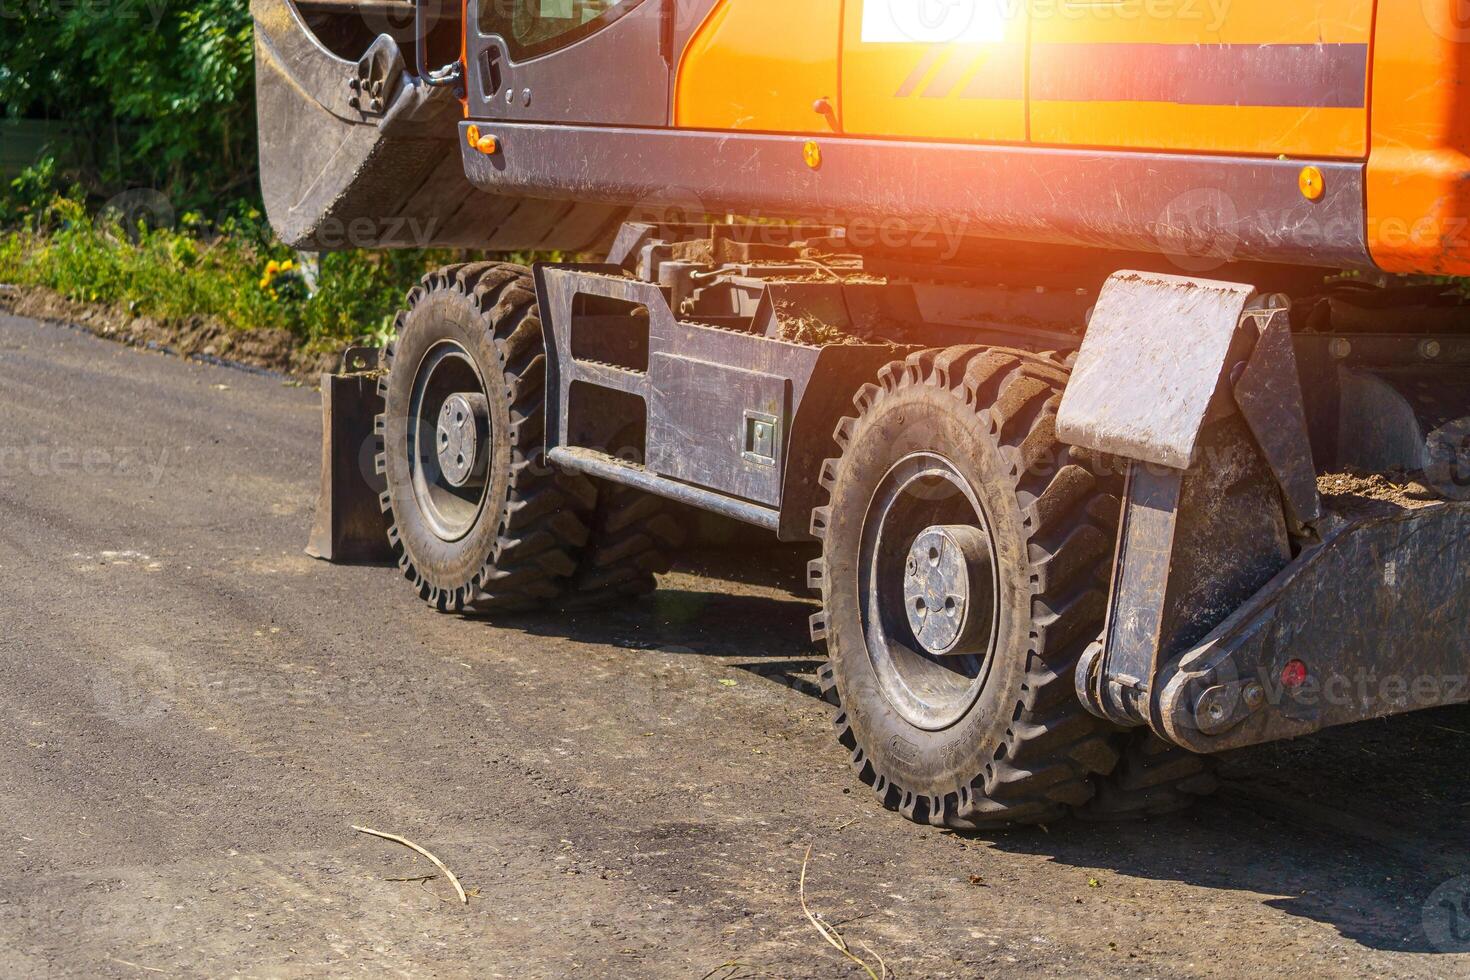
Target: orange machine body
x,y
1348,80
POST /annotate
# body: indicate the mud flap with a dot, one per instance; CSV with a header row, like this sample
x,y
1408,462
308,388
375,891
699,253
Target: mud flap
x,y
1242,610
1151,366
1203,524
350,524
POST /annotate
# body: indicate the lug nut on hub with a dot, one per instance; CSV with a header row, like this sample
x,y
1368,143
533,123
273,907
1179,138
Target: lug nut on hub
x,y
947,589
461,437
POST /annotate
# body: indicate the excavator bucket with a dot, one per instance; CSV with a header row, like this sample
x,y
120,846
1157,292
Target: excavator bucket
x,y
358,151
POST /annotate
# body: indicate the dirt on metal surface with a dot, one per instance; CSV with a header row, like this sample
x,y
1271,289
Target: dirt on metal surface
x,y
194,714
1344,491
803,328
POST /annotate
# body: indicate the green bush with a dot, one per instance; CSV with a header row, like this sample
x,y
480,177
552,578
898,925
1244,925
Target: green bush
x,y
28,194
234,273
157,94
160,95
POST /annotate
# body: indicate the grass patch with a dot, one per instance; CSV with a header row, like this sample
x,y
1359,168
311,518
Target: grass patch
x,y
234,273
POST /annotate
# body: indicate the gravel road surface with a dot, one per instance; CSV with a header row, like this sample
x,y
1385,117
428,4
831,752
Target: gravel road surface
x,y
194,714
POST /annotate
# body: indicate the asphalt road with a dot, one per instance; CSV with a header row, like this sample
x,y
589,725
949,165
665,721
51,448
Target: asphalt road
x,y
193,715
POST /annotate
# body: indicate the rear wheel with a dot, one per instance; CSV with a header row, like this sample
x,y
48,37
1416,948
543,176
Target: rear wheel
x,y
1152,778
964,571
479,520
634,536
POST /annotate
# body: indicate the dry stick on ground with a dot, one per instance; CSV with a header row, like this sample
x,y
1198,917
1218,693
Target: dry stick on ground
x,y
734,965
830,934
138,966
463,898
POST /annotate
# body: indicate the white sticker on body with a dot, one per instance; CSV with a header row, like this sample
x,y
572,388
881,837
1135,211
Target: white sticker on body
x,y
933,21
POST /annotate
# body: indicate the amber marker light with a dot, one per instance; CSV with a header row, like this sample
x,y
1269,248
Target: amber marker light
x,y
812,154
1311,182
483,142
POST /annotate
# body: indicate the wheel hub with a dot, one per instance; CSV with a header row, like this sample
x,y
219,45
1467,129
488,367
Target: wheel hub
x,y
947,566
450,440
929,589
460,438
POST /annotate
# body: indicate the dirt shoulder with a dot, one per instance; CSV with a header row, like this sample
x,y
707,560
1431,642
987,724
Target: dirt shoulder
x,y
196,337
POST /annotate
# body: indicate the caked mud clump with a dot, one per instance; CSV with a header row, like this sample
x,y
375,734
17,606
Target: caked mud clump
x,y
803,328
1353,488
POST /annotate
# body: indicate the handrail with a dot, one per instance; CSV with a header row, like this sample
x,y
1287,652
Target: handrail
x,y
447,75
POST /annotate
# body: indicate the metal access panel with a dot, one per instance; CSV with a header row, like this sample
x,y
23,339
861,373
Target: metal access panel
x,y
718,426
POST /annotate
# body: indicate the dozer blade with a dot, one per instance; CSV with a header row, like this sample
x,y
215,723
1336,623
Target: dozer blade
x,y
358,152
350,524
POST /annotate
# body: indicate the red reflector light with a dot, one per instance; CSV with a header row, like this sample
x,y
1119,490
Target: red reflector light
x,y
1294,675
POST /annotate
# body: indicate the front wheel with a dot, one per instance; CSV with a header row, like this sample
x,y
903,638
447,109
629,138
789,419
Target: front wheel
x,y
964,571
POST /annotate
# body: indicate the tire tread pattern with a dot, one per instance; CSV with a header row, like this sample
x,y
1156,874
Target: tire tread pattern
x,y
544,523
1046,764
633,538
1152,778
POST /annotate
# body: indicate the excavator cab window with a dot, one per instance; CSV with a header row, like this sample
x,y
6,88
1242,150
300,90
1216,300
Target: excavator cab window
x,y
535,27
568,61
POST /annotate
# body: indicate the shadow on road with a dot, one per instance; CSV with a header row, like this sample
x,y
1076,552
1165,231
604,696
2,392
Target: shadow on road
x,y
733,601
1360,828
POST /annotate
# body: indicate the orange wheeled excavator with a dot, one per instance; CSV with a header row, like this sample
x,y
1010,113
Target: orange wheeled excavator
x,y
1110,350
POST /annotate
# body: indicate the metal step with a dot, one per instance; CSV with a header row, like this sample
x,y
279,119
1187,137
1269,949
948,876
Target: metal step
x,y
603,466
